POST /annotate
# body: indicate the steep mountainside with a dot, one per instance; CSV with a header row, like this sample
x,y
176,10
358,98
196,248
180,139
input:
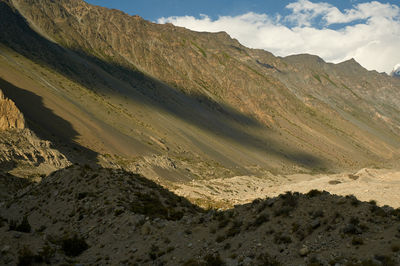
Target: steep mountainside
x,y
193,97
103,114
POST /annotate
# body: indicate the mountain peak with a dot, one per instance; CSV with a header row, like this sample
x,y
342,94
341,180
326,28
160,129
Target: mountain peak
x,y
396,71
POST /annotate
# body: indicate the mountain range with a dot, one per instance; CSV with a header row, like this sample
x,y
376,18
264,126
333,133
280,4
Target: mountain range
x,y
86,85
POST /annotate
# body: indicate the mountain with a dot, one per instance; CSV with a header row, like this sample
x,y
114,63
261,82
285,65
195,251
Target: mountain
x,y
396,71
108,120
193,97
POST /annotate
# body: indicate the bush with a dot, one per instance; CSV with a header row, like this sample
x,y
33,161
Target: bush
x,y
283,211
74,246
213,260
266,259
314,193
234,229
26,257
289,199
356,241
279,238
24,226
262,218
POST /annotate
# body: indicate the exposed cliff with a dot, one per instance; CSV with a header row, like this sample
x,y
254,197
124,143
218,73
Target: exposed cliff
x,y
10,116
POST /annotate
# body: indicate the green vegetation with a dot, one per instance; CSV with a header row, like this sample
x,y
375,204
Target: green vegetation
x,y
329,80
151,205
317,77
200,49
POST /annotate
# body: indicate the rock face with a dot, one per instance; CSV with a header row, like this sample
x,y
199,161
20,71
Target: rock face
x,y
20,149
10,116
23,153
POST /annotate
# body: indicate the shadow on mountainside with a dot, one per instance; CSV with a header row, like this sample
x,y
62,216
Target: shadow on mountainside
x,y
10,185
47,125
102,77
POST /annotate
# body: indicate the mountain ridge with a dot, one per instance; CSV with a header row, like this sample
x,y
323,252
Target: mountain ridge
x,y
294,98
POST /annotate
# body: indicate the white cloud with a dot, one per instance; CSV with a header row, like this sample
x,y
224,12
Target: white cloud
x,y
372,38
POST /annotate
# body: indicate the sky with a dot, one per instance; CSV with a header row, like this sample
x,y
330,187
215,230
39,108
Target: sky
x,y
368,31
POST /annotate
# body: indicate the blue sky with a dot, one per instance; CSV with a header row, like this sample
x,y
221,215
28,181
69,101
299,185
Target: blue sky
x,y
155,9
368,31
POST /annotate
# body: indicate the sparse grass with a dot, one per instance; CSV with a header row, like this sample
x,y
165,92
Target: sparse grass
x,y
200,49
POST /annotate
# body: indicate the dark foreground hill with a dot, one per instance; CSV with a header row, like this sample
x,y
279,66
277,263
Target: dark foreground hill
x,y
90,216
102,112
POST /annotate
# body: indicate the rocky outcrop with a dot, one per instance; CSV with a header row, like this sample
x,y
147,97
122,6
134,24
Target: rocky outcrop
x,y
23,152
20,149
10,116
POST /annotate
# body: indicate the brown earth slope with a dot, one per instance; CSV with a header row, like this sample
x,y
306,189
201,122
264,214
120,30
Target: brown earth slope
x,y
126,86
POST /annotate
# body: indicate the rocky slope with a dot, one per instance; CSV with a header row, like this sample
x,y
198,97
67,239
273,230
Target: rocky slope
x,y
127,101
90,216
10,116
185,94
21,152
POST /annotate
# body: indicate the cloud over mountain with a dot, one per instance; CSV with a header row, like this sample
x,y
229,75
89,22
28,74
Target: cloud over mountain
x,y
368,32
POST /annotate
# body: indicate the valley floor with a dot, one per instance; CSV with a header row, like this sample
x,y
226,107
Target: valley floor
x,y
380,185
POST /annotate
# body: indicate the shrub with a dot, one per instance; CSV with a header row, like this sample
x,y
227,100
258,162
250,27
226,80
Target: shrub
x,y
234,229
213,260
26,257
314,193
24,226
282,239
283,211
262,218
47,253
395,247
266,259
220,238
356,241
74,246
289,199
154,250
223,223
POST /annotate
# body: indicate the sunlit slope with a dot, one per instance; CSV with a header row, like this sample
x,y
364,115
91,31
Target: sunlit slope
x,y
130,87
